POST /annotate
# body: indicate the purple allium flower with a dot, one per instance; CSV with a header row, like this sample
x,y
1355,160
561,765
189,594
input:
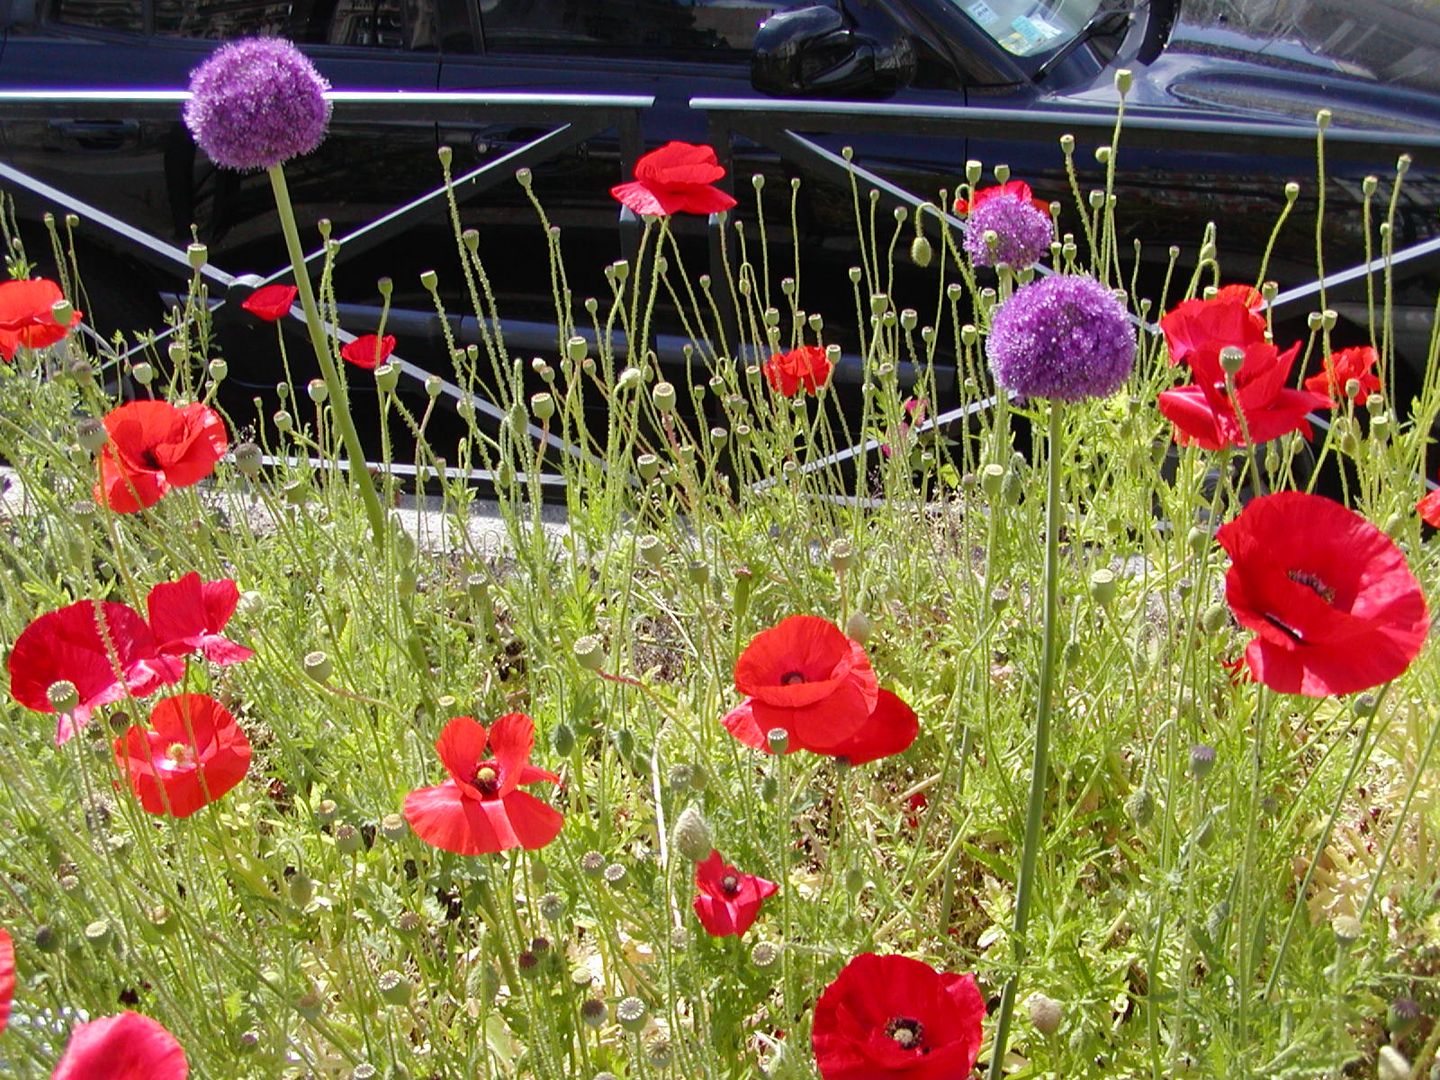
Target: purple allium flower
x,y
1022,229
1063,336
257,102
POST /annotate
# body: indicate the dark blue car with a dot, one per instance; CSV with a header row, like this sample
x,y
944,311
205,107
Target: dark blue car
x,y
1231,73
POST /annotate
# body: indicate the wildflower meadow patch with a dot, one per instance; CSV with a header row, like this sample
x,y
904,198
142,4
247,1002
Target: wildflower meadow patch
x,y
1026,675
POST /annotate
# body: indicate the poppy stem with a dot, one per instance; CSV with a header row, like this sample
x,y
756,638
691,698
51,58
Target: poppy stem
x,y
333,382
1039,767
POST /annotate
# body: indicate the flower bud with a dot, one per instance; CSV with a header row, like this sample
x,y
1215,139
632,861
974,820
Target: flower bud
x,y
858,627
1214,618
1045,1013
562,739
1141,806
1202,760
691,835
920,252
144,374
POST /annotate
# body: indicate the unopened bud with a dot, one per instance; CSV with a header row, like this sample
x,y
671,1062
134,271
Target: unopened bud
x,y
692,835
144,374
858,627
1045,1013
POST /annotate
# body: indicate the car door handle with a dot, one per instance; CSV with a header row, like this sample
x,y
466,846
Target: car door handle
x,y
98,134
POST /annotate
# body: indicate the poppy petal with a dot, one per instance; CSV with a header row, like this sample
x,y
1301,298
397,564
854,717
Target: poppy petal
x,y
461,747
512,739
125,1047
890,730
7,976
271,302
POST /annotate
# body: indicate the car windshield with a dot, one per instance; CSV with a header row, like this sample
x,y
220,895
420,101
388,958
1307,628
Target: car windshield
x,y
1388,41
1030,27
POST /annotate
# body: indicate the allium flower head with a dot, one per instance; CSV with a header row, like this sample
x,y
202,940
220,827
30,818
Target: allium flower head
x,y
1023,232
1064,337
256,103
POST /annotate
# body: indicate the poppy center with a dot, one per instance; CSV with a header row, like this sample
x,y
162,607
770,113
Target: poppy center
x,y
907,1032
1313,583
150,459
487,780
180,754
790,678
730,885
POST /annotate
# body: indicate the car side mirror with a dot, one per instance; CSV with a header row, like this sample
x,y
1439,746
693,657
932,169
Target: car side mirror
x,y
812,52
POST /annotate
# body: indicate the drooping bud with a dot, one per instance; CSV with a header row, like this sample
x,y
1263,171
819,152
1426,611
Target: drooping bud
x,y
691,835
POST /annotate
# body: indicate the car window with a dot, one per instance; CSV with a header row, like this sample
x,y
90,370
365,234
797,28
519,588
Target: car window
x,y
102,14
385,24
651,28
1029,27
1389,41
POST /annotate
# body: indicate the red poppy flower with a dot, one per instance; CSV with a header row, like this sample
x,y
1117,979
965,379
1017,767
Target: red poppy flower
x,y
368,351
1429,508
1204,327
271,302
806,677
798,371
124,1047
729,901
187,616
68,646
913,805
677,178
27,315
891,1016
1334,607
1204,414
889,729
1246,294
1340,367
193,753
7,977
1018,188
153,447
480,809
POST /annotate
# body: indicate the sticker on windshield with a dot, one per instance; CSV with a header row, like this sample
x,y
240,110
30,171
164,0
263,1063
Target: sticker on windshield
x,y
982,13
1034,31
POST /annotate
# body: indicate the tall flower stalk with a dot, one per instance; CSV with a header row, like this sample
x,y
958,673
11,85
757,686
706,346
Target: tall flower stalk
x,y
255,104
1067,339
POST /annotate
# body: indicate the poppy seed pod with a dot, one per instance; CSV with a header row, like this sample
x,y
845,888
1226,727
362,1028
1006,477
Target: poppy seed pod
x,y
394,988
317,666
843,556
1202,760
652,550
663,395
631,1013
691,835
387,377
589,652
63,696
393,827
593,1013
248,459
1102,587
348,839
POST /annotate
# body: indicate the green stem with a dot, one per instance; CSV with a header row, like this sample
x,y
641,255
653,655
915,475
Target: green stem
x,y
1030,854
333,382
